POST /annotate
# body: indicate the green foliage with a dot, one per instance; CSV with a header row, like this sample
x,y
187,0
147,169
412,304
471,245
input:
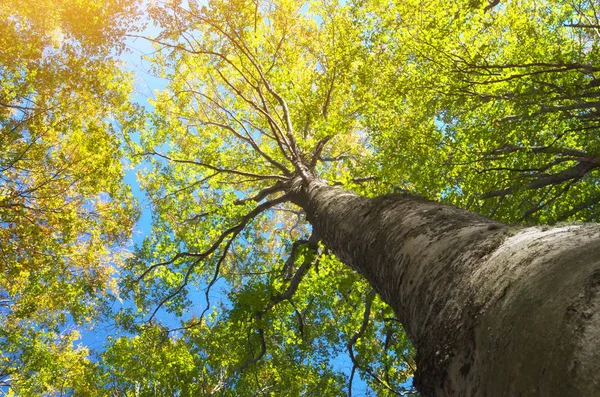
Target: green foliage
x,y
250,91
492,107
150,364
489,107
64,210
497,106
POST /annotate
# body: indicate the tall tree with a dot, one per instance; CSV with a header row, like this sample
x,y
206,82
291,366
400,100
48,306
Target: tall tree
x,y
270,104
64,211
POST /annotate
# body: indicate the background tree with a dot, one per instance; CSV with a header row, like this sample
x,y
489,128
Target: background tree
x,y
64,212
398,95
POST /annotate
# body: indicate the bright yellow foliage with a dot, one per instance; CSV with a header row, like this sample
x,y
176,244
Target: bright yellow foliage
x,y
64,210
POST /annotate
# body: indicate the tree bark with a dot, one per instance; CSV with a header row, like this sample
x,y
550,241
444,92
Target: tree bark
x,y
493,310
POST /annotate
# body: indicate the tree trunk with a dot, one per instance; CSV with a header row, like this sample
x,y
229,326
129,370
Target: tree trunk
x,y
493,310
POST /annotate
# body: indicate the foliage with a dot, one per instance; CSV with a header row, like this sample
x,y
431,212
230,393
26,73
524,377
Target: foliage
x,y
489,106
501,100
63,207
379,97
253,92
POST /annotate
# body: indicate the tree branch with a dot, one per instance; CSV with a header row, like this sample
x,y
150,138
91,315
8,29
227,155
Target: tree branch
x,y
234,231
212,167
358,335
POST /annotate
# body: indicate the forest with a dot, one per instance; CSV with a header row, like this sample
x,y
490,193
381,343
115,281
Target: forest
x,y
300,198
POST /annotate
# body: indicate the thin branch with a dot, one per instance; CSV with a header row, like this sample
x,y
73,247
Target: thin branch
x,y
312,242
232,230
258,197
589,203
263,110
544,203
289,292
508,148
318,150
351,379
358,335
249,139
582,25
259,209
291,141
254,360
212,167
252,143
300,317
564,66
191,185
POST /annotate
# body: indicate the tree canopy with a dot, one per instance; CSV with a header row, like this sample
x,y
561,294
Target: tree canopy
x,y
506,90
492,107
65,214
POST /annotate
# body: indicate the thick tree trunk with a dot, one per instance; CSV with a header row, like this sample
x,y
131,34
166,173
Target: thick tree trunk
x,y
493,310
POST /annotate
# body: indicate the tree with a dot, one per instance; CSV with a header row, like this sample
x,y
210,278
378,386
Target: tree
x,y
64,212
269,104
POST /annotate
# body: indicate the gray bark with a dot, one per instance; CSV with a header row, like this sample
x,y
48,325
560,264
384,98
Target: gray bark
x,y
493,310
